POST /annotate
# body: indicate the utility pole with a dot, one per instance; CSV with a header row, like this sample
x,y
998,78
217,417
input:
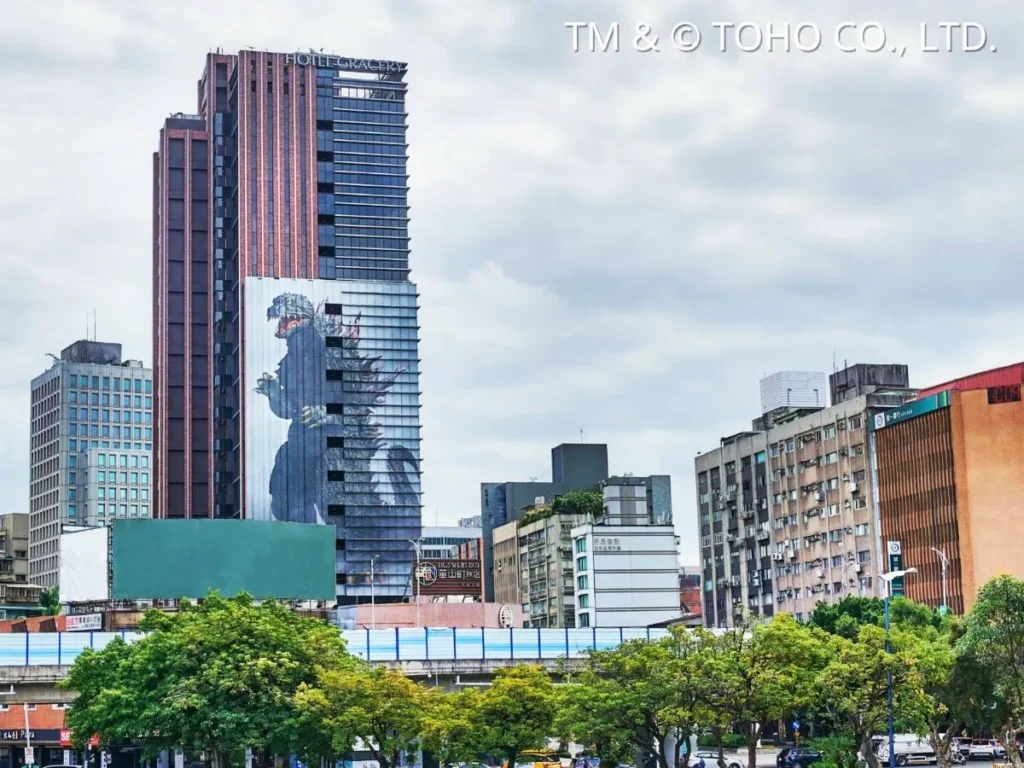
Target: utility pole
x,y
417,575
373,601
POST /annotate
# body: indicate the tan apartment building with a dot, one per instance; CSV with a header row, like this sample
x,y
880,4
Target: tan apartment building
x,y
540,565
825,533
951,480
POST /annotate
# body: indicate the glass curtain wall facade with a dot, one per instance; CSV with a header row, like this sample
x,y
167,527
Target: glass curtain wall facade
x,y
307,182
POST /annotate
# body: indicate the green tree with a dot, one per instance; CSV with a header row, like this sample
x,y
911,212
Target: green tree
x,y
767,672
217,677
587,503
957,692
447,725
515,712
851,689
639,696
49,599
846,617
380,707
994,638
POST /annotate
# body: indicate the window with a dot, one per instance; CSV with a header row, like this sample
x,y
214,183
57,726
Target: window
x,y
581,546
830,431
106,382
134,476
72,512
135,461
582,564
837,561
864,556
759,458
145,478
127,385
862,529
72,477
583,582
124,460
149,385
719,538
790,445
775,450
833,510
583,619
72,397
584,601
145,510
855,422
836,535
101,510
133,494
860,503
831,458
123,477
101,459
95,382
145,463
74,380
705,541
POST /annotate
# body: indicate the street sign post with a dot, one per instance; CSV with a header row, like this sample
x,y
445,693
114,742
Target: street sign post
x,y
895,549
30,758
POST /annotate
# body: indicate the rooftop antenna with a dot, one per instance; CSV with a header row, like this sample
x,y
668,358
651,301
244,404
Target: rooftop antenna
x,y
94,325
582,440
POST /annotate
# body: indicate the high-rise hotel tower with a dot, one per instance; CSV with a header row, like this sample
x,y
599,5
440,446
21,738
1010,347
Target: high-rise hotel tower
x,y
285,324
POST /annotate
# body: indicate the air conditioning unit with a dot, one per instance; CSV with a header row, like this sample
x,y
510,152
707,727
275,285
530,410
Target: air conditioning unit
x,y
777,556
819,496
820,574
856,568
792,554
844,451
852,486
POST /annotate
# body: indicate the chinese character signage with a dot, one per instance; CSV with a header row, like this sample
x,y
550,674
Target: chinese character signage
x,y
896,564
450,577
911,410
607,544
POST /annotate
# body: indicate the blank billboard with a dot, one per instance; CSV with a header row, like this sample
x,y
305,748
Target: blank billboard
x,y
170,559
84,566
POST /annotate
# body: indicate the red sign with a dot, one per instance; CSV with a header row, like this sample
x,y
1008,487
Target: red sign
x,y
65,738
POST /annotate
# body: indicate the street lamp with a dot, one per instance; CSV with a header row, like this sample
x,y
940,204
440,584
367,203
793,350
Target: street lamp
x,y
888,578
373,601
945,564
416,577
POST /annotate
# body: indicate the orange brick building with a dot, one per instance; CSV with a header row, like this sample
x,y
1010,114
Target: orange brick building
x,y
951,476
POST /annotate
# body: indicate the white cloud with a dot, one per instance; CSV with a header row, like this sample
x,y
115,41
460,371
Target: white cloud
x,y
621,243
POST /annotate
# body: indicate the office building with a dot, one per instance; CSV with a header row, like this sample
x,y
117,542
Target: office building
x,y
950,483
787,514
444,542
574,467
794,389
91,444
285,322
734,526
625,566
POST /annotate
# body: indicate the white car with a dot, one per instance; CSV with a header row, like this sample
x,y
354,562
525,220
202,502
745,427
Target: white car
x,y
711,760
981,750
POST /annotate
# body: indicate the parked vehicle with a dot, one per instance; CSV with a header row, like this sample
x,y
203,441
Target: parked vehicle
x,y
981,749
962,746
711,760
909,750
780,759
800,757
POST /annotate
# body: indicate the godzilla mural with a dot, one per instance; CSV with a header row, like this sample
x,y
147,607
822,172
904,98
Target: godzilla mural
x,y
328,391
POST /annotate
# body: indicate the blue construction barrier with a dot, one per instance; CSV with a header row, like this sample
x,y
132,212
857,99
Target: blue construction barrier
x,y
414,644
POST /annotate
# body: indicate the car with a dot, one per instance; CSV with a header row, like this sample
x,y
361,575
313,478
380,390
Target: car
x,y
801,757
780,759
981,749
711,760
998,751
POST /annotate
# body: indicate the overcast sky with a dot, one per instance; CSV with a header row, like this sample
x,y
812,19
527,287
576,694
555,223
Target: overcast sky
x,y
619,242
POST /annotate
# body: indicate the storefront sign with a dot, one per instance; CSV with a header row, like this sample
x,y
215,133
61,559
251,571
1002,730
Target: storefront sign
x,y
450,577
65,738
911,410
89,622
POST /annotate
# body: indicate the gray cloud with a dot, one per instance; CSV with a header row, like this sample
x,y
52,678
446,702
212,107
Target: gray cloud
x,y
622,243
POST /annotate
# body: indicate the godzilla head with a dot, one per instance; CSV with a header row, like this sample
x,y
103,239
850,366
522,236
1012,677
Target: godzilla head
x,y
291,311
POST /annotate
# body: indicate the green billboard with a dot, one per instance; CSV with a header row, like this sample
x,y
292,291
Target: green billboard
x,y
911,410
170,559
